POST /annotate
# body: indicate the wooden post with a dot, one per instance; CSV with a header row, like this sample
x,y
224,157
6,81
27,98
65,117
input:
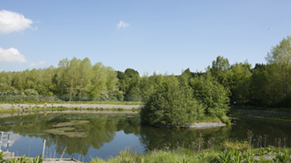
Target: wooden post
x,y
43,148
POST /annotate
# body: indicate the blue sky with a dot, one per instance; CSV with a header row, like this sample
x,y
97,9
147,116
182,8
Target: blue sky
x,y
165,35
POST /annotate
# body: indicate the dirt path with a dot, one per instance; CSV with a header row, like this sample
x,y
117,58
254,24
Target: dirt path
x,y
104,106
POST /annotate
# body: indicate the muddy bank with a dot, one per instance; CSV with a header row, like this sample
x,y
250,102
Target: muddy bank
x,y
206,125
67,112
202,125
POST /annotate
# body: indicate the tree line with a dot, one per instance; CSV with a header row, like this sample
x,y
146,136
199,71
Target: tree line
x,y
76,79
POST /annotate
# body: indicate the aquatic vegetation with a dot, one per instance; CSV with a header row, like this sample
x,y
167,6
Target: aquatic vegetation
x,y
71,123
68,129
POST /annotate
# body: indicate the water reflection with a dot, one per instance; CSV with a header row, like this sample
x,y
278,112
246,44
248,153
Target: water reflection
x,y
104,135
61,130
268,130
153,138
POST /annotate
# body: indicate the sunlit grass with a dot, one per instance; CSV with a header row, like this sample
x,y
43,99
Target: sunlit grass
x,y
206,156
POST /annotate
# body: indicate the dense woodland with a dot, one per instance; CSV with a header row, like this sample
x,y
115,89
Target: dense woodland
x,y
80,80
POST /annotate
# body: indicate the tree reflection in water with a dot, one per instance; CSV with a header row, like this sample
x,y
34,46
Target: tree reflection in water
x,y
99,129
155,138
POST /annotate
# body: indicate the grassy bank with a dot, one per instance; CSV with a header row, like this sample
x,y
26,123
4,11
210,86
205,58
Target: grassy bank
x,y
224,152
73,102
35,110
261,155
268,154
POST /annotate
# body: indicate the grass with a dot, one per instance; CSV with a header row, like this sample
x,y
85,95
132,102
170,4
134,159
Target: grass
x,y
22,159
260,155
236,145
186,156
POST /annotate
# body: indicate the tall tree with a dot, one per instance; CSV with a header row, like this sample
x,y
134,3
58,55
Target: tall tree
x,y
260,86
85,76
280,59
61,75
220,70
239,80
99,78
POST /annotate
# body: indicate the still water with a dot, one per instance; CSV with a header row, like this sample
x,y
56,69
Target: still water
x,y
86,136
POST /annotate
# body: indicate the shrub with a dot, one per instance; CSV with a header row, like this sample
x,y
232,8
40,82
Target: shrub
x,y
211,94
172,104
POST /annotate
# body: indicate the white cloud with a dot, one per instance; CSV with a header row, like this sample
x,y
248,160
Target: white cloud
x,y
122,24
13,22
11,55
32,64
12,139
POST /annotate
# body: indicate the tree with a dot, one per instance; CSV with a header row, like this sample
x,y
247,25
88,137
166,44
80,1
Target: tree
x,y
98,81
128,84
239,82
61,75
279,60
19,80
111,83
104,82
84,81
260,86
131,73
6,87
220,70
186,76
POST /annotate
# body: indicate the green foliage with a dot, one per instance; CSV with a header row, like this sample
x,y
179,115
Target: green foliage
x,y
172,104
72,80
22,159
239,79
220,70
284,156
211,94
270,84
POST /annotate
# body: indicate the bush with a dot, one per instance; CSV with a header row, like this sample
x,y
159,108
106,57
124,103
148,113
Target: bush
x,y
211,94
172,104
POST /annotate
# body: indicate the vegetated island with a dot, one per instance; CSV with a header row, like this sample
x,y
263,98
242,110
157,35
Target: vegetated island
x,y
182,103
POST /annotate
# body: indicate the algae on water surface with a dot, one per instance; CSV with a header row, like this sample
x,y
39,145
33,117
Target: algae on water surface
x,y
68,129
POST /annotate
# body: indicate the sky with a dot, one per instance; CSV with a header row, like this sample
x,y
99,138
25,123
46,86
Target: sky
x,y
165,36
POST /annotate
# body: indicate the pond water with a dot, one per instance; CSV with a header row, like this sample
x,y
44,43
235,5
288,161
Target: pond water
x,y
86,136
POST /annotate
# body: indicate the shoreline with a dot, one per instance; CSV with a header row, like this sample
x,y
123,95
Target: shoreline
x,y
201,125
82,106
